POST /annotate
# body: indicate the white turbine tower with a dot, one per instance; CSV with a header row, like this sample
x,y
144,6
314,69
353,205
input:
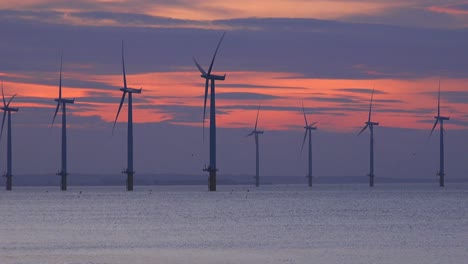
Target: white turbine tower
x,y
308,130
370,125
63,102
440,119
7,109
211,77
256,132
129,171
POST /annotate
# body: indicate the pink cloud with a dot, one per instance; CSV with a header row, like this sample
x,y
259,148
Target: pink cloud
x,y
451,10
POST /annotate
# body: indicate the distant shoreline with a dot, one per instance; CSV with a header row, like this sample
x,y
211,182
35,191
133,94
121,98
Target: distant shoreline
x,y
164,179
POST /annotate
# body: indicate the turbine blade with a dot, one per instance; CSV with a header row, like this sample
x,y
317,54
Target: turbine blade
x,y
3,96
123,67
203,130
56,111
256,120
313,123
433,127
199,67
3,123
204,106
214,56
305,118
370,107
206,98
303,141
248,135
118,111
60,81
364,128
11,99
438,102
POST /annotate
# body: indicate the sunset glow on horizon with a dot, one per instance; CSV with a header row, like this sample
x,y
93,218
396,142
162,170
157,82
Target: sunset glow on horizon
x,y
324,55
200,13
174,93
332,102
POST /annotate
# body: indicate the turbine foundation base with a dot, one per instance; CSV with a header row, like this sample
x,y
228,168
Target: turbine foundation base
x,y
8,183
212,181
441,181
130,181
63,183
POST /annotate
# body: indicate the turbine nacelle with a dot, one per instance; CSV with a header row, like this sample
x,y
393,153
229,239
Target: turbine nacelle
x,y
256,132
10,109
130,90
66,101
442,117
370,123
214,77
311,127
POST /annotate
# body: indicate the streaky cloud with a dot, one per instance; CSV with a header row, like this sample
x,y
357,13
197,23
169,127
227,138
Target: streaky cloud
x,y
361,90
244,96
259,86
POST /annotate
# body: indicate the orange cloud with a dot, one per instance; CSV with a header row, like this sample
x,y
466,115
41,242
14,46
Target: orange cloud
x,y
338,104
291,9
204,10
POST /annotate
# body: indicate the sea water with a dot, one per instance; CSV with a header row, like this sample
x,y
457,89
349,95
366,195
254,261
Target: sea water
x,y
237,224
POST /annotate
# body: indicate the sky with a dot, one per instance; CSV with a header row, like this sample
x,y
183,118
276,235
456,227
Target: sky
x,y
327,55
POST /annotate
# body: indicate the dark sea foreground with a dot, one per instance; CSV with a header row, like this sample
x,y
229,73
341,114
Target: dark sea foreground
x,y
330,223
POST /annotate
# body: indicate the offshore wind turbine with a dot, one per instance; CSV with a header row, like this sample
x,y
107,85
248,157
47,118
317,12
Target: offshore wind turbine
x,y
440,118
211,77
129,171
308,130
370,125
7,109
63,102
256,132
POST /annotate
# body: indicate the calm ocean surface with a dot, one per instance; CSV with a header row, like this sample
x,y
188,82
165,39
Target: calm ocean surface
x,y
238,224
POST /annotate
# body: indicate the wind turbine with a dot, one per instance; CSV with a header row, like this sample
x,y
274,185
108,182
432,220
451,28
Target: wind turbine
x,y
129,171
308,130
370,125
256,133
441,119
7,109
211,77
63,102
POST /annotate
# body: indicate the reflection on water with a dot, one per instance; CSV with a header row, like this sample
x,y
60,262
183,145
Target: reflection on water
x,y
238,224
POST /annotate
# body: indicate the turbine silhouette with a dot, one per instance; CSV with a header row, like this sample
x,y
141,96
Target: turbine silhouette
x,y
7,109
211,77
308,131
440,118
370,125
63,102
256,132
129,171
